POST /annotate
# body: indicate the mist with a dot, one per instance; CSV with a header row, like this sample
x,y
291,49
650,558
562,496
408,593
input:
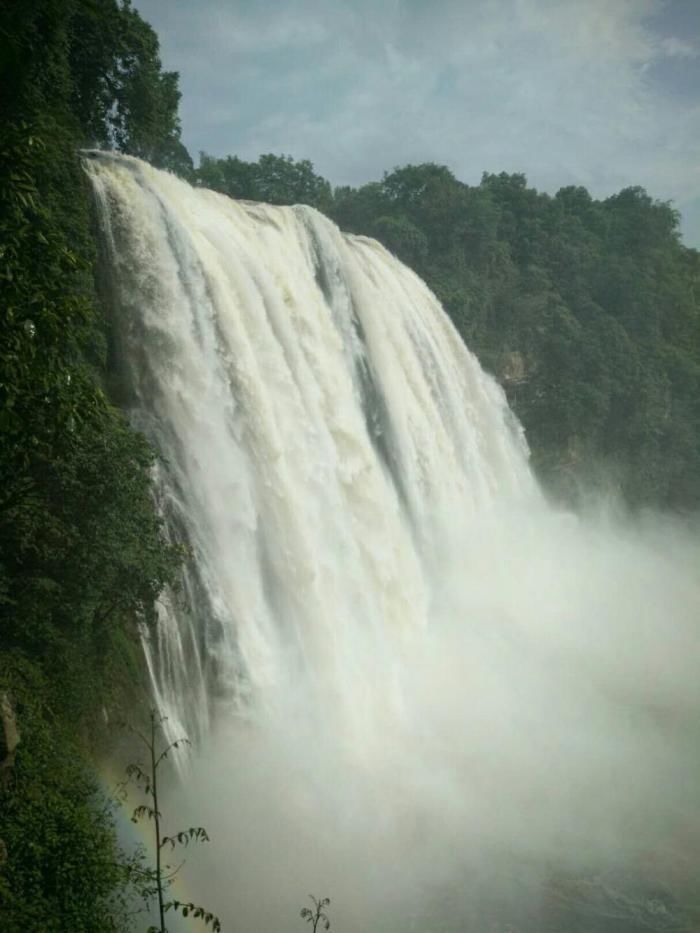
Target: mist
x,y
543,726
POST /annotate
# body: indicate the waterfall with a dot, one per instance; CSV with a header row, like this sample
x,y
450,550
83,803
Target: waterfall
x,y
321,426
382,626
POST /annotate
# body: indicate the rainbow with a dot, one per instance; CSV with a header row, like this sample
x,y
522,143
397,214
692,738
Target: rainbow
x,y
129,834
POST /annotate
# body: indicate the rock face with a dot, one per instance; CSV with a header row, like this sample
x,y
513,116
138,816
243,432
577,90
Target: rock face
x,y
9,736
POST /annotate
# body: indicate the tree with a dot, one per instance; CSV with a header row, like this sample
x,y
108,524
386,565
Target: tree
x,y
276,179
317,915
403,238
156,880
282,180
142,100
59,861
231,176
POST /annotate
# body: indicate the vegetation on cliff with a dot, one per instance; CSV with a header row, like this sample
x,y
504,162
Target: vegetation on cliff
x,y
82,556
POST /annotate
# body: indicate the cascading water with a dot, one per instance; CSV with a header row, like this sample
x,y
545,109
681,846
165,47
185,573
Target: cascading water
x,y
400,663
320,421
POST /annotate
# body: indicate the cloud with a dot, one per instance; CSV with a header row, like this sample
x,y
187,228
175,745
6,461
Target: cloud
x,y
678,48
564,91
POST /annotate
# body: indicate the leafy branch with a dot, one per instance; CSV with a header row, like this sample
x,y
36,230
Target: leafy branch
x,y
317,915
155,881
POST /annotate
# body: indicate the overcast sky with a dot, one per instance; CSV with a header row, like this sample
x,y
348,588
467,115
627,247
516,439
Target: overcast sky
x,y
603,93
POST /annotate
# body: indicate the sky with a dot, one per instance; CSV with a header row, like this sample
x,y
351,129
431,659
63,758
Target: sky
x,y
600,93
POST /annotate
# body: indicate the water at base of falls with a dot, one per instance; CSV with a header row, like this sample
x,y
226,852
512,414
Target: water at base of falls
x,y
415,686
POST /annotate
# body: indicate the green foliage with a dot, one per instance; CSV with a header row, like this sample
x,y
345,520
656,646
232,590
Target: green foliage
x,y
403,238
80,544
93,68
61,866
155,881
274,179
121,94
82,554
317,915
